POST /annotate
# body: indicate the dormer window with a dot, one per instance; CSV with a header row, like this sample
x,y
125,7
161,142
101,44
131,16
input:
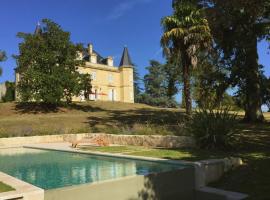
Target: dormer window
x,y
110,78
93,76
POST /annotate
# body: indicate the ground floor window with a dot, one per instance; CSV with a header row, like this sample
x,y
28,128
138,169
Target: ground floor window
x,y
112,95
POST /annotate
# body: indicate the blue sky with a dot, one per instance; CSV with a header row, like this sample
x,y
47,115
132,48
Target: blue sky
x,y
108,24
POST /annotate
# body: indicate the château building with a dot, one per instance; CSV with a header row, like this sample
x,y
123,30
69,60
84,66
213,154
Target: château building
x,y
109,82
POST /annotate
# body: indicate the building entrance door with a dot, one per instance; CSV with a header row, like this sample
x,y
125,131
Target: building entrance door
x,y
111,95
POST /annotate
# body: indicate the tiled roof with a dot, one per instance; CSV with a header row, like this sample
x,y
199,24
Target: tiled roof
x,y
100,59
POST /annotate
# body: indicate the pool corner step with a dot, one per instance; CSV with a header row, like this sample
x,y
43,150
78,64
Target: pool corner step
x,y
208,193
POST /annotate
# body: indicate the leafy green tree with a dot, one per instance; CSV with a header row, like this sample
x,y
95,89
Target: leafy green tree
x,y
237,26
172,76
208,90
173,72
204,91
10,92
2,58
156,86
186,33
154,81
136,80
164,101
47,63
85,85
228,101
265,91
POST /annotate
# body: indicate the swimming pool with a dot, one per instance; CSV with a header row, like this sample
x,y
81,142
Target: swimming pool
x,y
54,169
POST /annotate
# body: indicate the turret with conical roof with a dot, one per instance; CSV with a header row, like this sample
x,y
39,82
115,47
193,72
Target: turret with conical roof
x,y
125,60
38,30
126,77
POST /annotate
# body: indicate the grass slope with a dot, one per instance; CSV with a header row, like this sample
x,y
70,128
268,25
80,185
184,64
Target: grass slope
x,y
17,120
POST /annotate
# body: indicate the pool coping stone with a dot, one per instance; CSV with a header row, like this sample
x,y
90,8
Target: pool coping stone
x,y
23,190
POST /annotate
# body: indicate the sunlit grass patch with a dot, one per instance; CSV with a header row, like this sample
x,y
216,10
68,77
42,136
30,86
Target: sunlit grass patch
x,y
5,188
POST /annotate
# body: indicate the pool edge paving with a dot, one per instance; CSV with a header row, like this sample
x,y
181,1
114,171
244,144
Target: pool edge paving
x,y
23,190
65,147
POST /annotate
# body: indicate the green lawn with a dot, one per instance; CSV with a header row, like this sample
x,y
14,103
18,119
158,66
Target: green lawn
x,y
175,154
5,188
109,117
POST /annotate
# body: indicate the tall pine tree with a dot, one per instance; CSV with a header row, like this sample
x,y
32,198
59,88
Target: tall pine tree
x,y
237,26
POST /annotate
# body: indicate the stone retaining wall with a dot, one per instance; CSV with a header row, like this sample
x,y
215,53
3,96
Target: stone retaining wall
x,y
208,171
147,140
21,141
178,184
136,140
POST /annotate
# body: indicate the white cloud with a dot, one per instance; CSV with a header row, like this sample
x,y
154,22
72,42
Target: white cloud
x,y
122,8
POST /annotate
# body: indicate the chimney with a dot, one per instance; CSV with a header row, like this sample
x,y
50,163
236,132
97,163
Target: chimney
x,y
90,48
92,55
79,55
110,61
93,58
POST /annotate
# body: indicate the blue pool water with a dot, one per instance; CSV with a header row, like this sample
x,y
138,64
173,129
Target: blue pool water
x,y
53,169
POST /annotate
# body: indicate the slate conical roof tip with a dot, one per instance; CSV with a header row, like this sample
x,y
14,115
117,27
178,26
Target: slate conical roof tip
x,y
38,29
125,60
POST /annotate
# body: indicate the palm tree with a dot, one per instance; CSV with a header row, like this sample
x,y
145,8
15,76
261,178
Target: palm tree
x,y
186,33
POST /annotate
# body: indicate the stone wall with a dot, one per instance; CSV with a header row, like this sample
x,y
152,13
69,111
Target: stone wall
x,y
21,141
136,140
178,184
142,140
208,171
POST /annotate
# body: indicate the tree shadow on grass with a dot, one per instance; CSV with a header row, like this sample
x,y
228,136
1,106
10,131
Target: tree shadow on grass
x,y
84,107
43,108
36,108
139,116
251,178
254,137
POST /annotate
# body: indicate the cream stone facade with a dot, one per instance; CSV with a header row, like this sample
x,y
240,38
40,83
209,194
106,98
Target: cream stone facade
x,y
109,83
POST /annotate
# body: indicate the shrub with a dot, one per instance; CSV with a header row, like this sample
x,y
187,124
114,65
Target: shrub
x,y
213,129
